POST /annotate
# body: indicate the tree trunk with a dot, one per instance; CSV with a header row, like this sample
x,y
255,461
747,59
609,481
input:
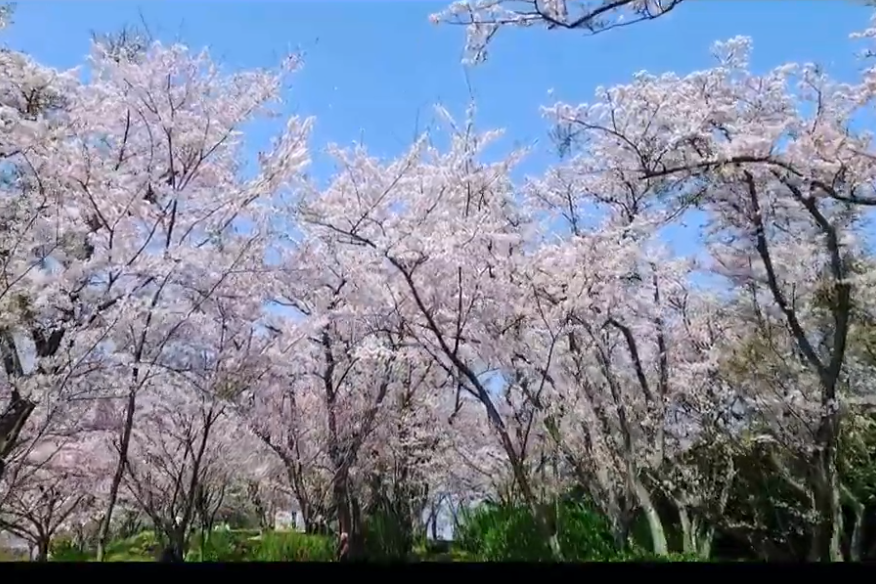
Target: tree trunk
x,y
434,523
652,517
856,539
348,516
177,545
696,535
171,554
342,508
12,421
121,464
826,536
826,494
310,524
42,549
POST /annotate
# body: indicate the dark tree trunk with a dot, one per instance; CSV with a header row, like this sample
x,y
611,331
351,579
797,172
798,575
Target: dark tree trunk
x,y
170,554
12,421
175,549
42,550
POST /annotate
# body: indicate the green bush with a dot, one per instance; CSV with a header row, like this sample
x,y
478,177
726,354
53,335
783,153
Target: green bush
x,y
249,546
294,547
224,546
63,549
500,533
142,547
387,537
504,533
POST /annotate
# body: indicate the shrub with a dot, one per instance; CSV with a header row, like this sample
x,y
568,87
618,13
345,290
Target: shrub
x,y
139,548
225,546
144,544
387,537
509,533
294,547
63,549
249,546
502,533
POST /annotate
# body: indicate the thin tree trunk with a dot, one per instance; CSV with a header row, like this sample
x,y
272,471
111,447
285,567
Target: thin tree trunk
x,y
652,517
856,539
12,421
434,523
121,464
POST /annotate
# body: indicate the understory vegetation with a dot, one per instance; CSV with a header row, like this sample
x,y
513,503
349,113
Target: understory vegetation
x,y
489,533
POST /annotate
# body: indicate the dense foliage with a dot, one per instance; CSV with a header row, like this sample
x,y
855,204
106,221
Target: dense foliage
x,y
506,533
438,339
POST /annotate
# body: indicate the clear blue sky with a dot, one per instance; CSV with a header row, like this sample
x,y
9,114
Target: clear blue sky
x,y
374,68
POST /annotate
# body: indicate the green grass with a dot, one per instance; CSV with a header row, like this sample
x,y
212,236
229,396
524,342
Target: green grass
x,y
444,552
248,546
243,546
143,547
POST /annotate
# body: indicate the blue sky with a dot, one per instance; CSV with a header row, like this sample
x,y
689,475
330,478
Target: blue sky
x,y
373,69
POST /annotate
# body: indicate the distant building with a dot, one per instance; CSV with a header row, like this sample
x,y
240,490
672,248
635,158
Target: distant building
x,y
283,521
289,521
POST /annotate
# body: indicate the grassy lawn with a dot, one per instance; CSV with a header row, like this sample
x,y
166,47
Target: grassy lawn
x,y
230,546
236,546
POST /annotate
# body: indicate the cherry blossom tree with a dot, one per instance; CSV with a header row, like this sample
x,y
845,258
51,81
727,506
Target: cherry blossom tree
x,y
342,369
170,461
49,335
54,483
442,230
288,422
181,474
167,204
782,190
484,18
